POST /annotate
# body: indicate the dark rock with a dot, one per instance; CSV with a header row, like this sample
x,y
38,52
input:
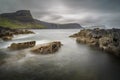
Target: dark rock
x,y
22,31
16,46
6,38
47,48
7,33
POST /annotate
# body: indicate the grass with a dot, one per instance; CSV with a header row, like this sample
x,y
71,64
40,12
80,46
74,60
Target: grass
x,y
14,24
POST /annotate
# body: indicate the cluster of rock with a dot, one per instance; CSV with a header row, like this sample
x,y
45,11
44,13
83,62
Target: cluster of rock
x,y
7,33
106,39
46,48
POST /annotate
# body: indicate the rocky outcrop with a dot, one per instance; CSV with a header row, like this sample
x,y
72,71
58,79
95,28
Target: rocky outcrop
x,y
47,48
17,46
7,33
106,39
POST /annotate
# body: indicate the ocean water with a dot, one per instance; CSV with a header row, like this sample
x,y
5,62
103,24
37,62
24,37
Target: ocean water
x,y
73,61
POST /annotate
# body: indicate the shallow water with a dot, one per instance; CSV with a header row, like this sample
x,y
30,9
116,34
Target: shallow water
x,y
72,62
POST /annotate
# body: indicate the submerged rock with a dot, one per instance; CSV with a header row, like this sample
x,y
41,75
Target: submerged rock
x,y
47,48
16,46
106,39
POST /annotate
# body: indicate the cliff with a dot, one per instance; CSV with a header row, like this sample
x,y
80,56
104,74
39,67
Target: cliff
x,y
22,16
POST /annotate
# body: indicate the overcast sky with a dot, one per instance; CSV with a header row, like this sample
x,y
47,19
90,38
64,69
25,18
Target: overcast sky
x,y
85,12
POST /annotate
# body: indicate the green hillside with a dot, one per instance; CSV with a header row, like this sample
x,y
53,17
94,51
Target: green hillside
x,y
17,24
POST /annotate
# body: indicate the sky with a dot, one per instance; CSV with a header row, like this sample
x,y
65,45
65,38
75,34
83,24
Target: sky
x,y
84,12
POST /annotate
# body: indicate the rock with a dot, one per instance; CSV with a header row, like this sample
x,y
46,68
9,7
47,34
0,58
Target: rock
x,y
7,33
22,31
16,46
110,45
74,35
2,62
105,39
47,48
6,38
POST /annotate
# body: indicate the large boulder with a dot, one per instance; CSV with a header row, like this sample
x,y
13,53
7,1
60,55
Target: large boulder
x,y
47,48
17,46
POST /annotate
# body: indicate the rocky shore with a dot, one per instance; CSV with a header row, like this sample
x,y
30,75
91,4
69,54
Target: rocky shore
x,y
8,34
106,39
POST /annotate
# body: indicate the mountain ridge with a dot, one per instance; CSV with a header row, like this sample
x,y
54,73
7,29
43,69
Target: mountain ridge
x,y
24,19
58,26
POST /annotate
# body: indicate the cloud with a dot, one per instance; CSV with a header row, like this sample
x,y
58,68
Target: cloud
x,y
85,12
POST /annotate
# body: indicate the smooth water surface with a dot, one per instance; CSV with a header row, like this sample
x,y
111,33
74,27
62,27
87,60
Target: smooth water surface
x,y
72,62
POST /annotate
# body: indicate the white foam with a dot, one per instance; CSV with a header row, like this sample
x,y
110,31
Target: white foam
x,y
42,42
22,36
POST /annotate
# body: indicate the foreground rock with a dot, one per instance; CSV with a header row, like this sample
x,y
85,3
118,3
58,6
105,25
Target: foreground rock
x,y
47,48
17,46
7,33
106,39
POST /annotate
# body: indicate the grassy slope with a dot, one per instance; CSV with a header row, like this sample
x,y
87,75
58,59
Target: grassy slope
x,y
16,24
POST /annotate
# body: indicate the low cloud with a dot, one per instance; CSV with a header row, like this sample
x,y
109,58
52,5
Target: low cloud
x,y
85,12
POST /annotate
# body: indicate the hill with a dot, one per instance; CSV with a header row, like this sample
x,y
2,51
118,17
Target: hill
x,y
18,19
24,19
